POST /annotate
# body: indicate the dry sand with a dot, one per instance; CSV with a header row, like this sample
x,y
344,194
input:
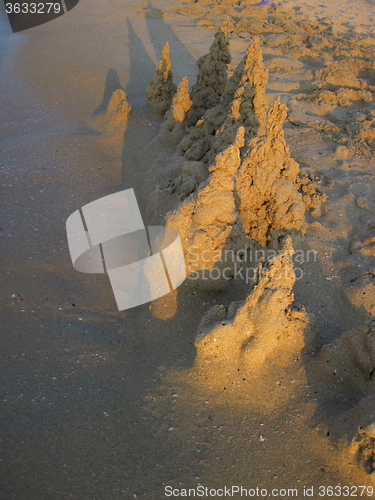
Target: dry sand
x,y
266,382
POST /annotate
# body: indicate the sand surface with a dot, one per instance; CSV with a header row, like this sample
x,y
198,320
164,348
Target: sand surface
x,y
220,383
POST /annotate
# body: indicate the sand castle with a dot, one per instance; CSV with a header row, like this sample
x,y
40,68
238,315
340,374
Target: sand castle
x,y
112,123
114,117
235,386
264,189
240,184
256,176
246,93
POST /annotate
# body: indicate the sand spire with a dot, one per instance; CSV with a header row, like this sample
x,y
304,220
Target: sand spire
x,y
234,344
266,183
161,89
212,75
204,220
112,123
250,70
181,104
115,115
243,103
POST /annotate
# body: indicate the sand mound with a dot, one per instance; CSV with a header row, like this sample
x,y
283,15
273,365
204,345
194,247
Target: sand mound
x,y
341,376
336,75
349,116
212,76
360,277
112,124
362,128
361,293
263,335
204,220
161,89
363,446
266,183
342,97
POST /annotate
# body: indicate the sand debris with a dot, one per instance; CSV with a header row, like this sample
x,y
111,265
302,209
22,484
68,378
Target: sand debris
x,y
312,194
212,76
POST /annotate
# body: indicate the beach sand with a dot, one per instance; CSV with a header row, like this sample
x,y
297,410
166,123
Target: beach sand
x,y
267,384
